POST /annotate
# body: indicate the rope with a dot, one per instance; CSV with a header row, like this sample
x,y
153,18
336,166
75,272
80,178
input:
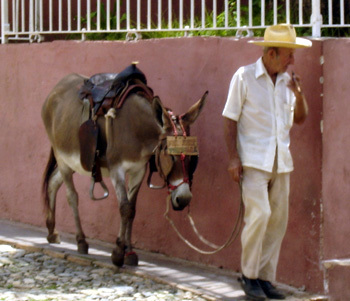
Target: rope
x,y
236,230
110,114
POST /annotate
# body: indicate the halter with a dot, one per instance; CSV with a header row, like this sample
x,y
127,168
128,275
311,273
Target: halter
x,y
237,227
156,160
185,179
182,156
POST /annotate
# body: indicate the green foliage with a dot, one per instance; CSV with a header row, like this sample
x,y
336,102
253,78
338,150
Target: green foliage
x,y
335,31
221,22
103,25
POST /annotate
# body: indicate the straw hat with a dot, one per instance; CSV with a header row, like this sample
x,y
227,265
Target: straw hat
x,y
282,35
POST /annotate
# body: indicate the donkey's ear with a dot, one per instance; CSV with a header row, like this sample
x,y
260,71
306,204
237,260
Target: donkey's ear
x,y
158,109
194,111
161,113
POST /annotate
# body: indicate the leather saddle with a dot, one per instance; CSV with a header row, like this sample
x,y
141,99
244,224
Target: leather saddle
x,y
104,86
105,91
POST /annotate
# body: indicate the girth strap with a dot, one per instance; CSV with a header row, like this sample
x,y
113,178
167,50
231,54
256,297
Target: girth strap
x,y
140,88
89,146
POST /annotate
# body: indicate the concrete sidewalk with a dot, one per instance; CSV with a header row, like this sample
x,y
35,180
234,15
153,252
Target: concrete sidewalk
x,y
210,283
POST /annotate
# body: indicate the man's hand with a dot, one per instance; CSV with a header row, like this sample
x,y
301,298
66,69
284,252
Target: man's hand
x,y
294,85
301,108
235,165
235,169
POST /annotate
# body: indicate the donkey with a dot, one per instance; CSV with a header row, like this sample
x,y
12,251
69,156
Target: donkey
x,y
135,132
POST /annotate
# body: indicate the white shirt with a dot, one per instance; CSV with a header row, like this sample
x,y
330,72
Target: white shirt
x,y
264,113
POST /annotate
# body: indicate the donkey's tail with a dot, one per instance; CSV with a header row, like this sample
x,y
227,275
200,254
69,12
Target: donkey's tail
x,y
50,167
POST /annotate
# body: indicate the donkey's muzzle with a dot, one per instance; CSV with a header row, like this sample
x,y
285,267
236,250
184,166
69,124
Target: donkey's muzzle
x,y
180,203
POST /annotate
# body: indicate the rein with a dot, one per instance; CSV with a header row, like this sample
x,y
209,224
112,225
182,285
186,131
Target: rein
x,y
238,224
234,233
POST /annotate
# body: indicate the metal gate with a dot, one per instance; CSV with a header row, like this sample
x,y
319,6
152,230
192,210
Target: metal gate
x,y
32,20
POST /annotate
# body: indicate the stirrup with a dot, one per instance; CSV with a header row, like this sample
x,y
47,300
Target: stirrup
x,y
103,185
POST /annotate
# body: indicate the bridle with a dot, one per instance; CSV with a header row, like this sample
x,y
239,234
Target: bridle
x,y
156,165
163,162
185,179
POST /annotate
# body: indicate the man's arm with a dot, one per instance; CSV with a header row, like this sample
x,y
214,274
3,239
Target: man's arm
x,y
235,165
301,109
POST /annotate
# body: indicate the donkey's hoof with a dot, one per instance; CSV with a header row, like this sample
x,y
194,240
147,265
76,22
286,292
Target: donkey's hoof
x,y
131,258
83,248
118,257
54,238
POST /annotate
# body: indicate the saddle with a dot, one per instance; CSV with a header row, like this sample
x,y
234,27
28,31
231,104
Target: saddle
x,y
103,86
105,91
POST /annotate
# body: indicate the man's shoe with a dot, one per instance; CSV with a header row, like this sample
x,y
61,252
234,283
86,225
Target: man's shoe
x,y
270,291
252,289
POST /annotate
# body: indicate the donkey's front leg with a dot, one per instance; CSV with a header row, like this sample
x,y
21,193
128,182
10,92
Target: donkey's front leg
x,y
127,203
118,181
135,180
123,252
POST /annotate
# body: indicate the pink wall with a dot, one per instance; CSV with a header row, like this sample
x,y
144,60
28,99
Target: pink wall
x,y
336,164
180,71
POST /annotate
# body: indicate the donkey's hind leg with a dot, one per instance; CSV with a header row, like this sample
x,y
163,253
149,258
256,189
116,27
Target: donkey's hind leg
x,y
54,184
72,197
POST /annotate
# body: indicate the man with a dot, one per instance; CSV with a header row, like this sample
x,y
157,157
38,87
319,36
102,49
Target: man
x,y
263,101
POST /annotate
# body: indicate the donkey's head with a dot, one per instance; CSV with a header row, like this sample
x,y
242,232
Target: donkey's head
x,y
177,162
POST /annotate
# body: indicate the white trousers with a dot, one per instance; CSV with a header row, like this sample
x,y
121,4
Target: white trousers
x,y
265,197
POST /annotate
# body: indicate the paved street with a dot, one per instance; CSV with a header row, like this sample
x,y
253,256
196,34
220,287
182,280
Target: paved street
x,y
36,276
31,269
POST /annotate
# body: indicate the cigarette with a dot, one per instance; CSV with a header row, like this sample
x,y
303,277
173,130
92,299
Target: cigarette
x,y
296,82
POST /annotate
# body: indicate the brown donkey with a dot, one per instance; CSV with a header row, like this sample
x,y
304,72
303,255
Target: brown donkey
x,y
132,134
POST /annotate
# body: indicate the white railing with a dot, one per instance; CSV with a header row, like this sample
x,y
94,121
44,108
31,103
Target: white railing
x,y
32,20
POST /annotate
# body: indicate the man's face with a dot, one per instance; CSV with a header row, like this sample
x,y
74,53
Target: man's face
x,y
284,57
